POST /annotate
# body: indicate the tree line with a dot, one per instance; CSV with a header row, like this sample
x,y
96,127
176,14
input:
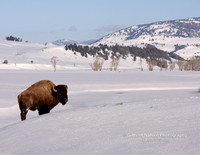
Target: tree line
x,y
117,51
11,38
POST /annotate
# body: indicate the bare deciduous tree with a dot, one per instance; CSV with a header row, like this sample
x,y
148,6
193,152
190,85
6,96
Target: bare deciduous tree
x,y
163,64
194,64
98,63
180,64
151,63
189,65
140,63
114,64
171,65
54,60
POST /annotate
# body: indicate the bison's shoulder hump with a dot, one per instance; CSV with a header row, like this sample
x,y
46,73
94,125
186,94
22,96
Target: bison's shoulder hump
x,y
42,83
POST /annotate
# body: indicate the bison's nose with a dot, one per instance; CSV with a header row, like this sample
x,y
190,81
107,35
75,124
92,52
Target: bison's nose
x,y
65,100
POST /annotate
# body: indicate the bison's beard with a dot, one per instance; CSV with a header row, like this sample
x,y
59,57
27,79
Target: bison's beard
x,y
64,101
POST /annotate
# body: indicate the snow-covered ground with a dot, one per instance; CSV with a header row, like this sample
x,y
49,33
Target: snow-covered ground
x,y
124,112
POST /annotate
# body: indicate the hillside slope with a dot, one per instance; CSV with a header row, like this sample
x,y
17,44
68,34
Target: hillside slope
x,y
179,36
19,55
37,56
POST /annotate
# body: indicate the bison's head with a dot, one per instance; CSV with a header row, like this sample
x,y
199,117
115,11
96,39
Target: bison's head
x,y
60,92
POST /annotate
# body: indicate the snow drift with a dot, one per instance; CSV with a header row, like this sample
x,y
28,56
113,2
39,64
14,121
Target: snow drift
x,y
127,112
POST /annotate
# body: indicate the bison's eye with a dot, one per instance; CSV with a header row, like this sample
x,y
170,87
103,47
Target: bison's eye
x,y
59,94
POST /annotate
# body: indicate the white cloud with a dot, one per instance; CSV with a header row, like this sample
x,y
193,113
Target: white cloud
x,y
72,28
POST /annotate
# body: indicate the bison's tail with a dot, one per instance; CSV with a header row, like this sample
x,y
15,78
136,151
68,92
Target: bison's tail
x,y
19,97
20,101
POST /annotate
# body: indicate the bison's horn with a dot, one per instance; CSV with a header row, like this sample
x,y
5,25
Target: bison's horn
x,y
54,90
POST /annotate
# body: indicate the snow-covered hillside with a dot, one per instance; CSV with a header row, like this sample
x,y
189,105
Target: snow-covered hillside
x,y
179,36
38,57
127,112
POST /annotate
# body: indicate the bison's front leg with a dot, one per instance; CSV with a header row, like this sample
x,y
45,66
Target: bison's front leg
x,y
43,110
23,109
23,114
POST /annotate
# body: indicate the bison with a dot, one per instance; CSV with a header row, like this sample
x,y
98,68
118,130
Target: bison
x,y
42,96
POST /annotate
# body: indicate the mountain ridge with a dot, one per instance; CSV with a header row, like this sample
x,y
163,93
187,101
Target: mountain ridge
x,y
165,35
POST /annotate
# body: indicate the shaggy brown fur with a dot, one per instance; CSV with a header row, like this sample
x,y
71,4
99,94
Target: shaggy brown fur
x,y
42,96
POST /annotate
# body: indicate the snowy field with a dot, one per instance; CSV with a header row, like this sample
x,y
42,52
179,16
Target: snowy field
x,y
124,112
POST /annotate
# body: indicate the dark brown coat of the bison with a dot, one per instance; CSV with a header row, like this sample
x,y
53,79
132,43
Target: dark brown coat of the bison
x,y
42,96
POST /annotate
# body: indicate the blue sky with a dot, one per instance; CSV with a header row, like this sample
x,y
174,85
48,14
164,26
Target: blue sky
x,y
49,20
